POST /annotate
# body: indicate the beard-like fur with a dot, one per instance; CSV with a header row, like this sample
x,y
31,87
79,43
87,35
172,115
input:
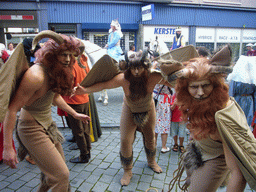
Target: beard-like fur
x,y
200,114
61,79
138,85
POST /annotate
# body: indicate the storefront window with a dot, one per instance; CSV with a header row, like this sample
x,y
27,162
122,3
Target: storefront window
x,y
86,36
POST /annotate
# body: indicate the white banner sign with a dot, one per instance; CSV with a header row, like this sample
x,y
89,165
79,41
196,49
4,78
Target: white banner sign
x,y
228,35
205,35
249,35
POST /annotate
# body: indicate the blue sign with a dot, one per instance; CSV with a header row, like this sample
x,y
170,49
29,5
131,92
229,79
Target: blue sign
x,y
148,12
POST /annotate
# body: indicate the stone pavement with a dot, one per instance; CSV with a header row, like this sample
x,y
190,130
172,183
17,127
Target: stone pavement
x,y
104,171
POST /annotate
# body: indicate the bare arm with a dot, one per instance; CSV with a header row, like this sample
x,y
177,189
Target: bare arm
x,y
117,81
157,78
61,103
29,85
237,181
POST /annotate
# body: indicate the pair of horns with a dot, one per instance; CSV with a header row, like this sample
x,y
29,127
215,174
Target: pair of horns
x,y
220,63
47,34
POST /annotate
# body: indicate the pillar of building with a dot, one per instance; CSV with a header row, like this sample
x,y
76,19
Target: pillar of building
x,y
2,36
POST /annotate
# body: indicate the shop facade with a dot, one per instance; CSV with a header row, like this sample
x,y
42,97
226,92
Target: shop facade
x,y
202,24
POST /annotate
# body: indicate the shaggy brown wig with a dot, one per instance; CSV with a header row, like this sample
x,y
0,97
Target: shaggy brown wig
x,y
60,78
199,114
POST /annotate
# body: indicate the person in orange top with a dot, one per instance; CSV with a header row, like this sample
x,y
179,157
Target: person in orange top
x,y
80,103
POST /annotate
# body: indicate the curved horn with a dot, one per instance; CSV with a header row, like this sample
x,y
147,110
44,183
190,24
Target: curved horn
x,y
81,47
47,34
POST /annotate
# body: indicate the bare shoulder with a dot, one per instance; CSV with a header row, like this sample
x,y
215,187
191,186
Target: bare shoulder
x,y
34,76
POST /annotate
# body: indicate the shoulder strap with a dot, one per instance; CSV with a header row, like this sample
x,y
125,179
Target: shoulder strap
x,y
160,91
170,90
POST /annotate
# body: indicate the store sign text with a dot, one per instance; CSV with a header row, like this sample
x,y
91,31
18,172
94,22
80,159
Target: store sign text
x,y
249,38
228,38
164,31
205,37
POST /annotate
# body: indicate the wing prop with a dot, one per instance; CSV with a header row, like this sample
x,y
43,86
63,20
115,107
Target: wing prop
x,y
10,76
235,132
103,70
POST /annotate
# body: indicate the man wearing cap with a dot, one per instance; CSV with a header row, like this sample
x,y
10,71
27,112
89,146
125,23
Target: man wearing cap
x,y
254,48
41,86
250,51
178,40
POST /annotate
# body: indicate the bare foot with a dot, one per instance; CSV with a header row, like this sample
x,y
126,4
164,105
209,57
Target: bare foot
x,y
155,167
126,178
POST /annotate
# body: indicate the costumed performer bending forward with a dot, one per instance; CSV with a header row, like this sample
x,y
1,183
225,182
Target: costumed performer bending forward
x,y
217,125
42,85
138,111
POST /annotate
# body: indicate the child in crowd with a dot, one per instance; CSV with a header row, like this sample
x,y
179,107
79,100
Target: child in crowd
x,y
177,127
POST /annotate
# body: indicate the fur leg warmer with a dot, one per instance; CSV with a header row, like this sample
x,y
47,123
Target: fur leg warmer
x,y
151,157
127,163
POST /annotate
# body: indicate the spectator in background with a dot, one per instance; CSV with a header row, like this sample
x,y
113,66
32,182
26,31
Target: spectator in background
x,y
203,52
162,95
250,51
80,103
254,48
10,49
131,51
3,54
178,130
178,40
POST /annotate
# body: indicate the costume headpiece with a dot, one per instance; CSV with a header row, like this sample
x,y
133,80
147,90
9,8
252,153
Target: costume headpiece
x,y
136,59
220,63
47,34
55,36
116,24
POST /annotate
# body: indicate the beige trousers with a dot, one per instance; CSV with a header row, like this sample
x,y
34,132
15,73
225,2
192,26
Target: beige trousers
x,y
48,156
210,176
